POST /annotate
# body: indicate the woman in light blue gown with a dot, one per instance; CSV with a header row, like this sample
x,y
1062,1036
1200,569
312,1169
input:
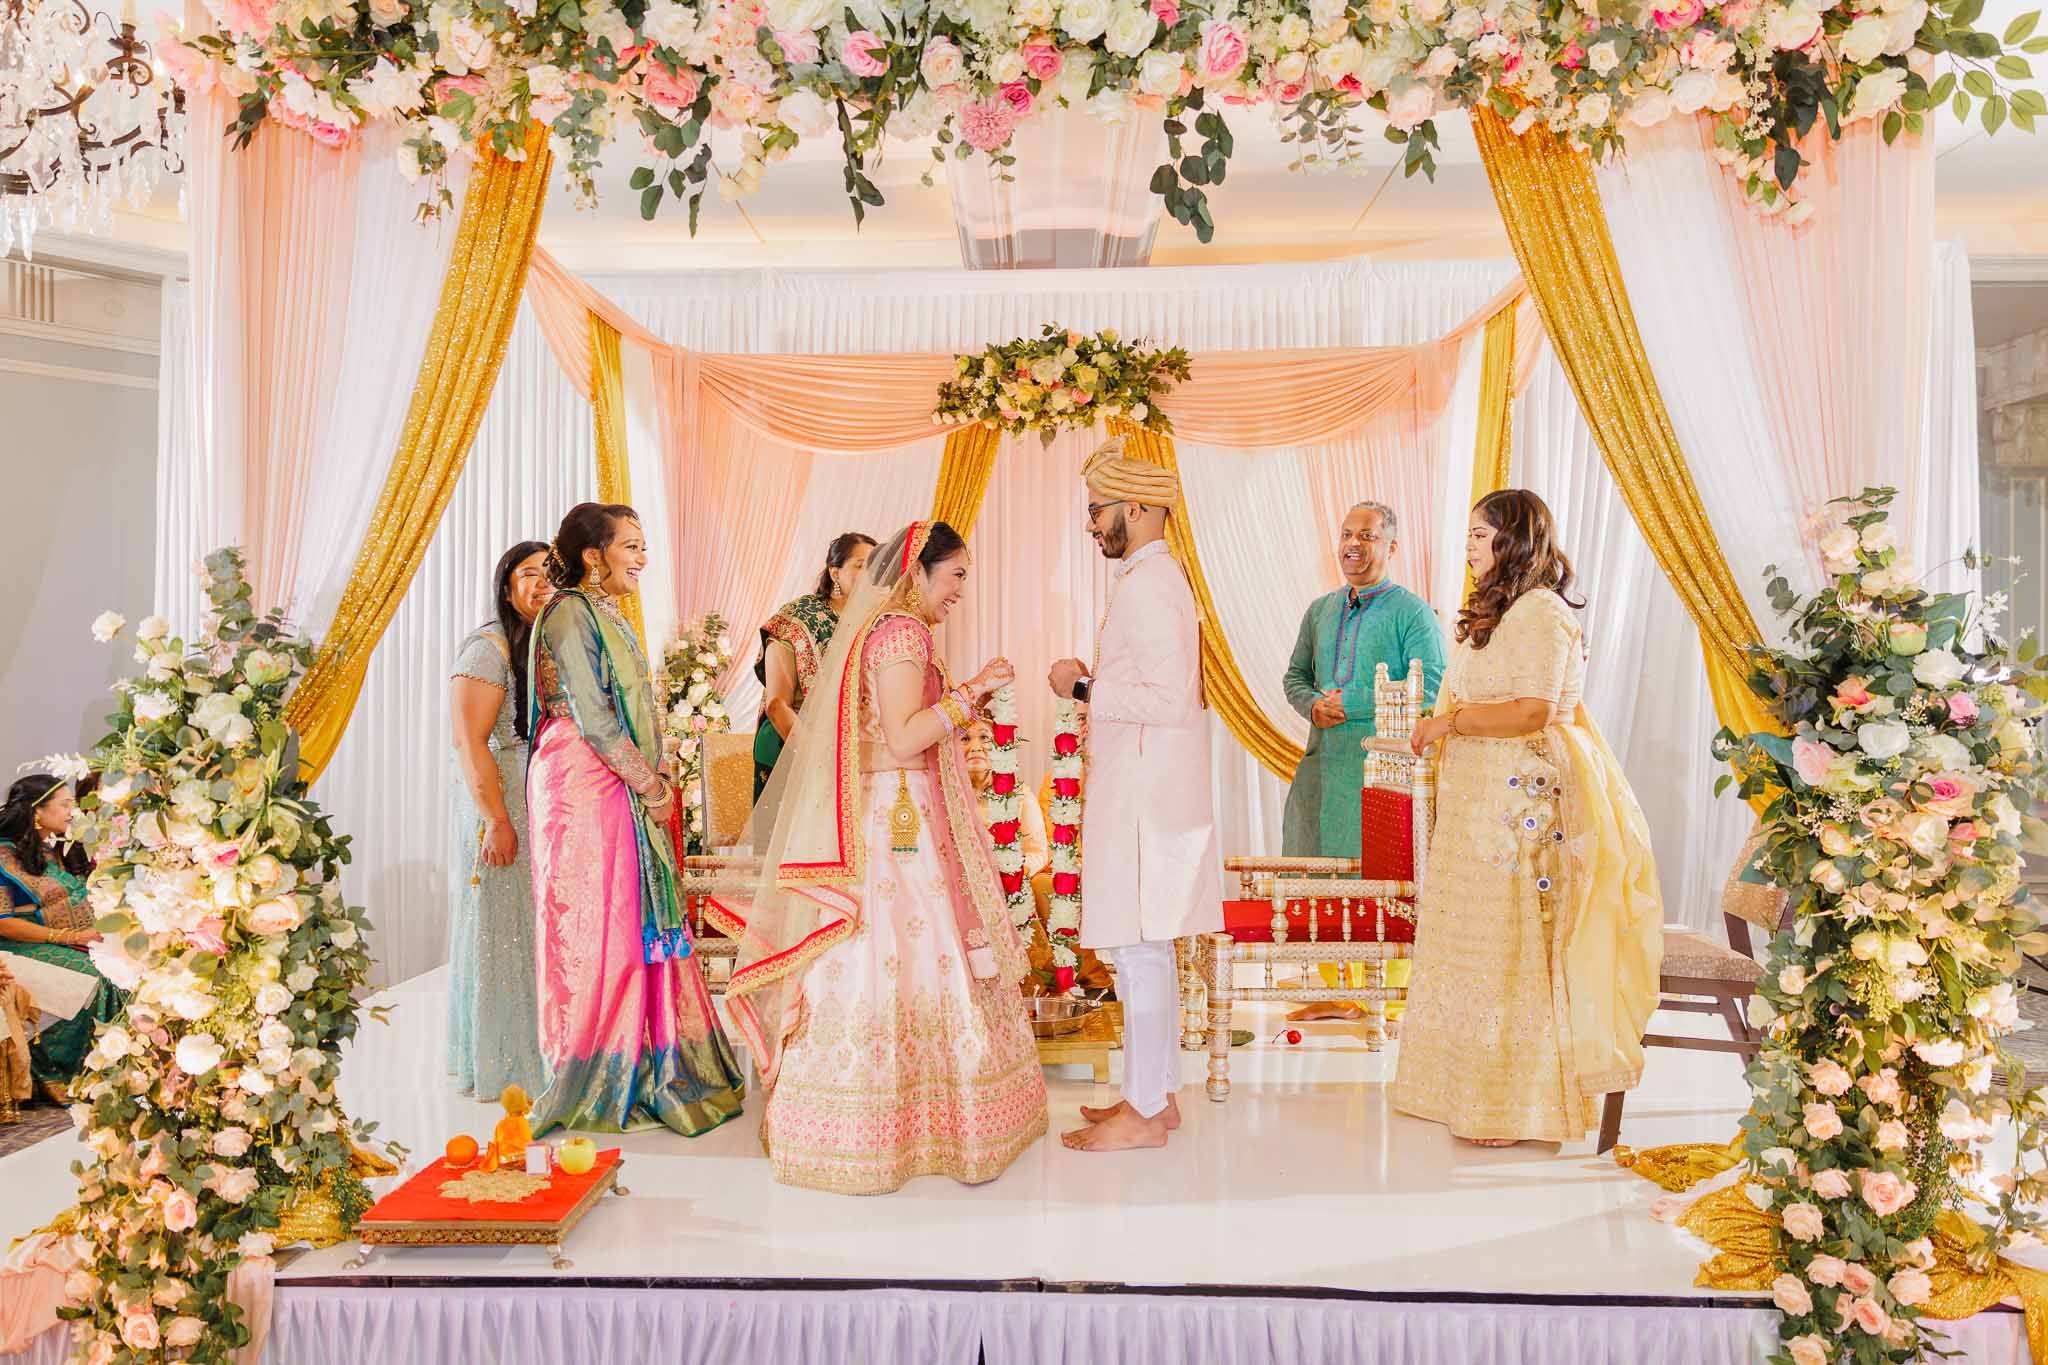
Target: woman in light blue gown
x,y
493,1030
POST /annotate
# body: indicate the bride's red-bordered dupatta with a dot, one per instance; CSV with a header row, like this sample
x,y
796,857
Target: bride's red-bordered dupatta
x,y
803,895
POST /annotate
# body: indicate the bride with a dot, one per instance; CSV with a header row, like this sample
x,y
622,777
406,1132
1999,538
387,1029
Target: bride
x,y
877,982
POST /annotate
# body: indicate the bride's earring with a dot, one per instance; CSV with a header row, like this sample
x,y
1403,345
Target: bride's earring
x,y
915,601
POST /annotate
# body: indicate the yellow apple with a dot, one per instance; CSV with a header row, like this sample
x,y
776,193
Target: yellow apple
x,y
577,1155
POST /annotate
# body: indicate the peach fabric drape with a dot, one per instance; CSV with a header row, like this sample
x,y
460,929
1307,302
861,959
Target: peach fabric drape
x,y
273,245
1838,311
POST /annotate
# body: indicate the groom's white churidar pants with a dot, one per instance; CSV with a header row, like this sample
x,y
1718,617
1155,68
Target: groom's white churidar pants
x,y
1149,986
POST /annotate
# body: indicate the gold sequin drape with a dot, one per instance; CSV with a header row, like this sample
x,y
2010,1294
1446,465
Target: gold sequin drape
x,y
1494,448
479,300
1552,212
1221,678
964,472
608,426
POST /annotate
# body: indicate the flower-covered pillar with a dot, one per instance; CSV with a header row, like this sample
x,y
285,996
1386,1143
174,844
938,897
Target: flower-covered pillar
x,y
1070,190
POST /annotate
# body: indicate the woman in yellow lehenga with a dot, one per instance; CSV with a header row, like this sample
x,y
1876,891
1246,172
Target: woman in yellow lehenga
x,y
1540,931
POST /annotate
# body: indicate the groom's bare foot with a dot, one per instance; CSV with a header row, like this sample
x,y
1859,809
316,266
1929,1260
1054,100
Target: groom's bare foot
x,y
1093,1113
1121,1132
1326,1009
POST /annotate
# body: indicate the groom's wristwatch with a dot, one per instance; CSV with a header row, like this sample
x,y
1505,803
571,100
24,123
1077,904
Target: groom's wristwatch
x,y
1081,689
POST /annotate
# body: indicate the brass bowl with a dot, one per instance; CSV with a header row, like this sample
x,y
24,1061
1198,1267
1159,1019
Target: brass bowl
x,y
1055,1016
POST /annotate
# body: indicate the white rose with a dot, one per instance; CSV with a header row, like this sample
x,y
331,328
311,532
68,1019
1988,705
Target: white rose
x,y
116,1043
272,998
1409,104
942,64
1440,63
107,625
1864,40
1883,739
1034,13
198,1054
1292,34
1877,93
1937,668
1112,107
1325,13
1009,66
1603,57
216,714
1084,20
234,1183
1131,31
2005,817
345,936
1794,26
191,1002
793,16
302,977
231,1142
802,110
1648,109
153,628
274,1034
1468,23
1075,77
1159,73
388,88
606,23
1905,28
1693,91
1345,57
1292,68
1595,110
1429,11
1945,753
668,24
254,1082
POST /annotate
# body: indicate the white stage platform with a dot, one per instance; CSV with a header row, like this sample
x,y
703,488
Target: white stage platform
x,y
1301,1221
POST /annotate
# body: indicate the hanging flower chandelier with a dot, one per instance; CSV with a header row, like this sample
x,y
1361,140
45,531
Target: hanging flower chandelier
x,y
85,118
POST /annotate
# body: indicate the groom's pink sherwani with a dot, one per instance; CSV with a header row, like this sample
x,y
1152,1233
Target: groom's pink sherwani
x,y
1150,867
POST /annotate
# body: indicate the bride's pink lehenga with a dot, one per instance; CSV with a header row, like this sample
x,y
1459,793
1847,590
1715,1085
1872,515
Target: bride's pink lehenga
x,y
885,1057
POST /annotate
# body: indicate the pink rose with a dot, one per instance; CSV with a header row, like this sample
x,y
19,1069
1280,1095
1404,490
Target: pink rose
x,y
1791,1296
1809,1350
208,935
1221,51
138,1328
1962,708
1921,1250
798,45
181,1211
1857,1279
1019,96
1853,694
1826,1271
102,1352
184,1331
449,86
1883,1087
1683,14
1829,1078
987,125
1892,1136
1812,759
1737,16
188,67
1911,1287
1822,1122
245,17
1830,1184
1042,60
273,917
1803,1222
1886,1193
1950,795
1166,12
1572,58
859,54
1869,1315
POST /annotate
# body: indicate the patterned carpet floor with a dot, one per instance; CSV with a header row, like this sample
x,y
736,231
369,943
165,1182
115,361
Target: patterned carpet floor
x,y
39,1120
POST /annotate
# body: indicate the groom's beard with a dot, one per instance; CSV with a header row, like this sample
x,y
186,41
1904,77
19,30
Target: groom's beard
x,y
1116,537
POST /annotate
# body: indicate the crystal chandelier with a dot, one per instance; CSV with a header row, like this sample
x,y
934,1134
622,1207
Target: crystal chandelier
x,y
86,119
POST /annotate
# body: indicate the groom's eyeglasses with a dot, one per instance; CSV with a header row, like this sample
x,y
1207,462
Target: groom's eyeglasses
x,y
1096,509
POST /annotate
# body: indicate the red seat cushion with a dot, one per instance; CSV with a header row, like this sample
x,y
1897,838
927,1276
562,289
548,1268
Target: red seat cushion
x,y
1250,921
1386,835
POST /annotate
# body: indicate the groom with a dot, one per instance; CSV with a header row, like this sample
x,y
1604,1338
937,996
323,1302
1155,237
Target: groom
x,y
1150,868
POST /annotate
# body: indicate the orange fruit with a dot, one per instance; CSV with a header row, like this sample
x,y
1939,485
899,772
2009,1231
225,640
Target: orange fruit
x,y
461,1150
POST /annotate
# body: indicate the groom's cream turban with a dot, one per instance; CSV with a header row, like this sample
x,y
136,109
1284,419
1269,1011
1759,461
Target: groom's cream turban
x,y
1114,474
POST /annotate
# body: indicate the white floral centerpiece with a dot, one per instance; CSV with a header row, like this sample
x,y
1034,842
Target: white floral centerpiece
x,y
686,685
1006,807
664,73
1063,918
211,1106
1896,820
1061,379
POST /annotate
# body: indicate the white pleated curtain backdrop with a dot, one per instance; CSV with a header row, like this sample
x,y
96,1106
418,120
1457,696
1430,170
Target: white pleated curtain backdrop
x,y
1037,589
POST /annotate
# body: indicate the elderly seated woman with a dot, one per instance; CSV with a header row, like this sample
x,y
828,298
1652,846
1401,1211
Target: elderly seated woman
x,y
44,919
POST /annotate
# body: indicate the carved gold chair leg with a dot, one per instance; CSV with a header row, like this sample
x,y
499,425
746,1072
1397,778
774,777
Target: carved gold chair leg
x,y
1193,1035
1217,954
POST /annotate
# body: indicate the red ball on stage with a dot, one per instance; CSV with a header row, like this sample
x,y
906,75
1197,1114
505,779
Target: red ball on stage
x,y
1064,744
1066,883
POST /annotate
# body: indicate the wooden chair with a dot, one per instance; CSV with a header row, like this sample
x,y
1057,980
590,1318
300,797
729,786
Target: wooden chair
x,y
716,954
1700,976
1323,910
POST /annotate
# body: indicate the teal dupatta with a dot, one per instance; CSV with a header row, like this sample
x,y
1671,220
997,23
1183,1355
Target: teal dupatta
x,y
624,693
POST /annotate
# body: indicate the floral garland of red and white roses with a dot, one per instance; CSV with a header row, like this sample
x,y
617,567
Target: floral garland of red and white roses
x,y
1897,822
211,1102
1005,806
1061,379
966,72
1063,918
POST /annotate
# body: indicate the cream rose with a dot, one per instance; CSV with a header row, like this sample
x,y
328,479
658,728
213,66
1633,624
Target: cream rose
x,y
1409,104
1911,1287
1822,1122
1159,73
1084,20
107,625
1809,1350
273,917
942,64
1803,1222
1861,44
1791,1296
1878,93
1831,1184
1793,26
198,1053
181,1211
1131,31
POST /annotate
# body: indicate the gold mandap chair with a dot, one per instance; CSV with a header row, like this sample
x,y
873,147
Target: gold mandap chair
x,y
727,792
1329,910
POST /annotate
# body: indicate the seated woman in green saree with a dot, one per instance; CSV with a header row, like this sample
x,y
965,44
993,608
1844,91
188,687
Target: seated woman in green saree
x,y
44,918
793,644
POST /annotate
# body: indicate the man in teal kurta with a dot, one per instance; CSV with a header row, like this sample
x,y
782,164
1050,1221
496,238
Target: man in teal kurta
x,y
1371,620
